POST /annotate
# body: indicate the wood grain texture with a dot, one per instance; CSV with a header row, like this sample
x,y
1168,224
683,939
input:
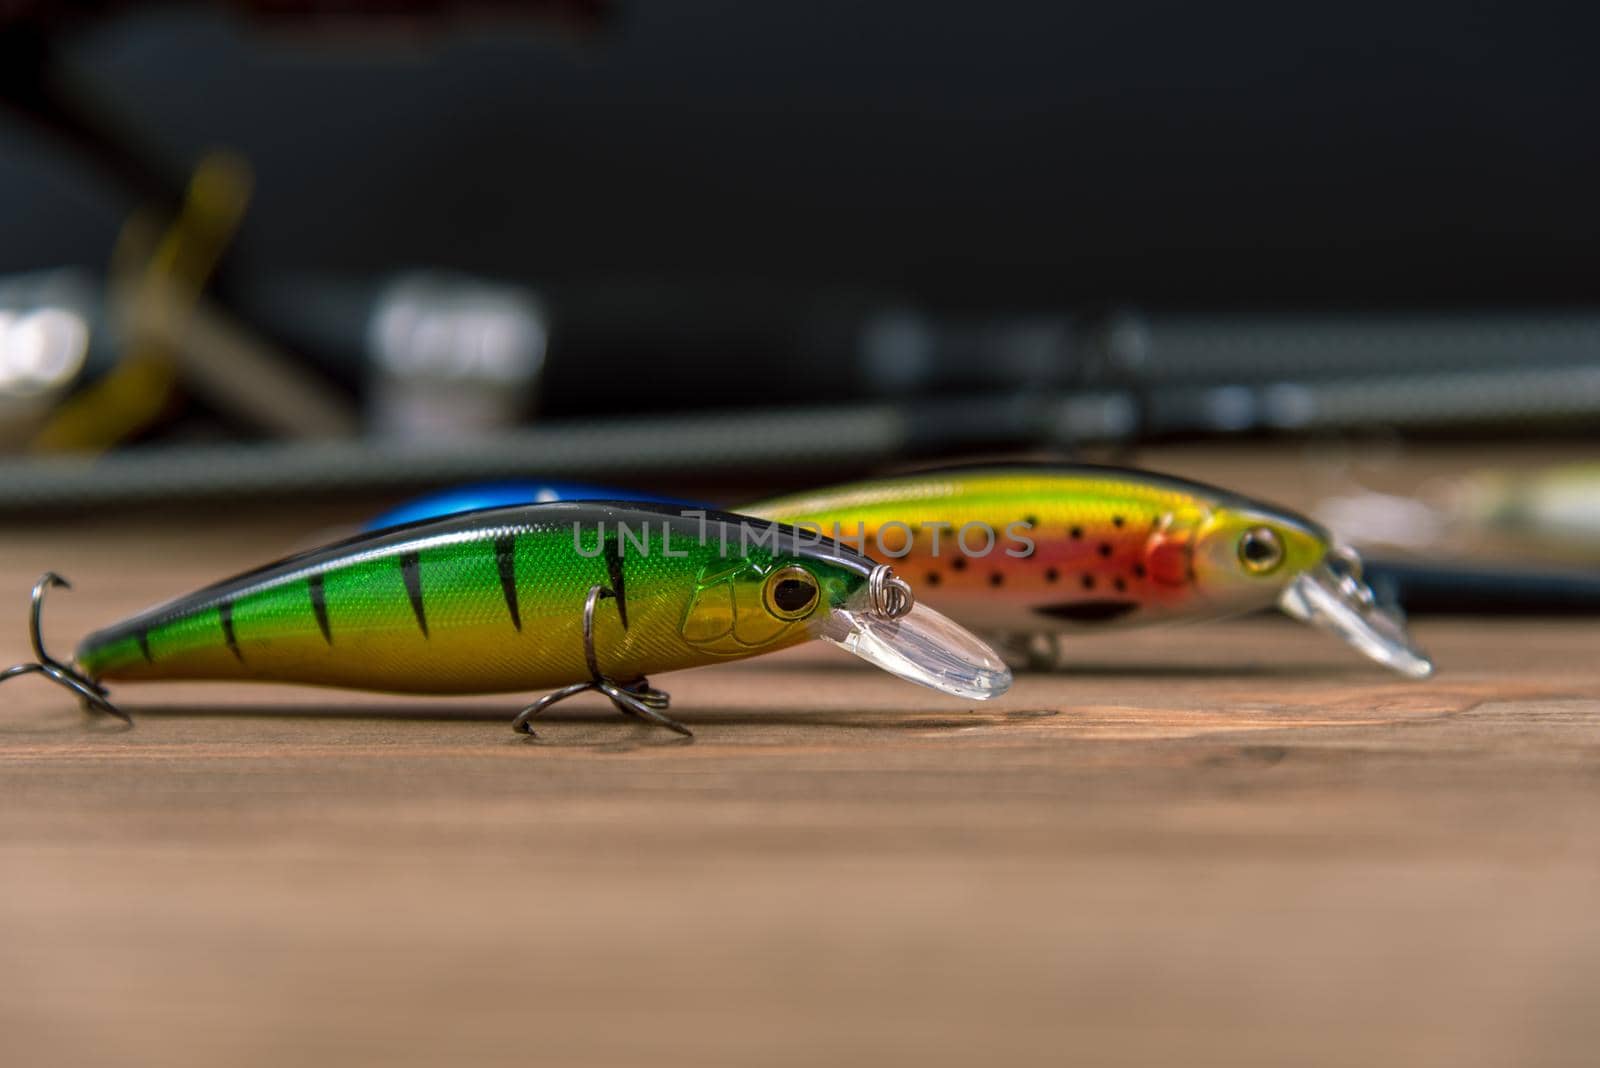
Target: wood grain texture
x,y
1236,844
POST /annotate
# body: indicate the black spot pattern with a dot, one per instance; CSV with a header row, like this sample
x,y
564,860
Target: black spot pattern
x,y
1087,611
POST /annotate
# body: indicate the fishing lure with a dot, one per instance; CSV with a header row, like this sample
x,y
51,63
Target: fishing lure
x,y
511,598
1028,551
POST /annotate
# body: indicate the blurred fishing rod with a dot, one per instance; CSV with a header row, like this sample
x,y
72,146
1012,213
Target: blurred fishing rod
x,y
788,441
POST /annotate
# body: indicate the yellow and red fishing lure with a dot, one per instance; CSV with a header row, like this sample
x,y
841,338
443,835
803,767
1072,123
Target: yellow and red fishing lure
x,y
1024,551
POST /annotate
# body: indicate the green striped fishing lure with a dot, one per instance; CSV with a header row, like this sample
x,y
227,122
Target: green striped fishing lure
x,y
575,595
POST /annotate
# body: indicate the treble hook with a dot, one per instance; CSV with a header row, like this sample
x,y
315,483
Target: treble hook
x,y
636,698
86,688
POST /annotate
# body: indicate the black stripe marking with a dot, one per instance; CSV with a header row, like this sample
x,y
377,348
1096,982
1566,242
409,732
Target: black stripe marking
x,y
1088,611
505,559
144,646
613,552
319,605
411,571
225,613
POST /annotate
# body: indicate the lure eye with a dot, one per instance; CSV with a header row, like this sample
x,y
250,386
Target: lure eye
x,y
1260,550
791,593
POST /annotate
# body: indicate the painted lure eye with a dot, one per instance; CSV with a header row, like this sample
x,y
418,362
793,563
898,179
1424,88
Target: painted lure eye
x,y
1260,550
791,593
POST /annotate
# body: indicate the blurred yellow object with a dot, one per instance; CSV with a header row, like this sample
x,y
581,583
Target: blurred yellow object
x,y
1547,512
1556,510
152,296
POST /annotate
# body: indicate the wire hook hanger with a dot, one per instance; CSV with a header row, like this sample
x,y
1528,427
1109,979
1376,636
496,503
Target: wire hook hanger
x,y
636,698
92,693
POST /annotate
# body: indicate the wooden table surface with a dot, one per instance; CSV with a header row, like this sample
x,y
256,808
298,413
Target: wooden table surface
x,y
1225,844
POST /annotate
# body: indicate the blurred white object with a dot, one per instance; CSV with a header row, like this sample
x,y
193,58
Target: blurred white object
x,y
47,324
1384,519
452,356
41,350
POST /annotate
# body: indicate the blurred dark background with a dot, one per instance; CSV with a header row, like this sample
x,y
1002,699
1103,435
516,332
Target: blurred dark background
x,y
1026,226
1031,154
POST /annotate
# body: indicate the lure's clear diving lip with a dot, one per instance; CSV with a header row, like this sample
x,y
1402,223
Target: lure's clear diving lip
x,y
1336,600
921,646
